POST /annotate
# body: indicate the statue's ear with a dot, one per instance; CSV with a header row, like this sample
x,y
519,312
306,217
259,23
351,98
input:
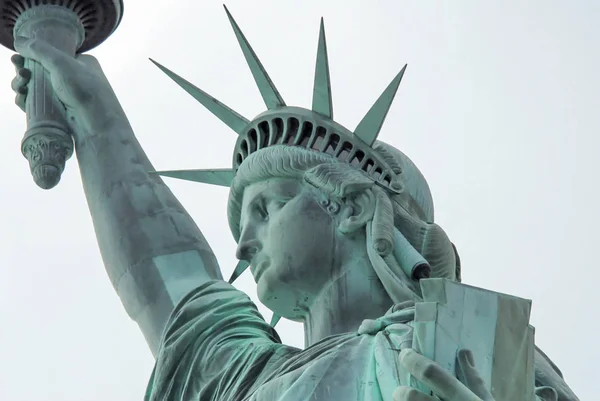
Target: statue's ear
x,y
357,211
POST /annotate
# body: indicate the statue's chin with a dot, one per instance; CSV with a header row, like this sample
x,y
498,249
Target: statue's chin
x,y
280,298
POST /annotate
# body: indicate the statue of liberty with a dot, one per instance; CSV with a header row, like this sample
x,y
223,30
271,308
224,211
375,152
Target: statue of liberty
x,y
336,227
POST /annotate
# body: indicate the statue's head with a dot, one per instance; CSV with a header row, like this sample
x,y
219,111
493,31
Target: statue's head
x,y
302,218
310,198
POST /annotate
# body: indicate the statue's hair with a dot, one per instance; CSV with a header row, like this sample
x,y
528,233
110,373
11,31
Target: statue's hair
x,y
339,182
336,179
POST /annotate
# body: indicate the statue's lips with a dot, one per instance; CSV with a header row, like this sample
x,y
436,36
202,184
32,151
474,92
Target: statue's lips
x,y
258,268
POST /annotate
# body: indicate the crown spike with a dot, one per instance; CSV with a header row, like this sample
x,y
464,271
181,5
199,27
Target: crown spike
x,y
235,121
275,319
369,127
239,269
267,89
221,177
322,88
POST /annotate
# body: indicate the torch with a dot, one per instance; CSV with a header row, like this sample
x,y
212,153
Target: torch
x,y
72,26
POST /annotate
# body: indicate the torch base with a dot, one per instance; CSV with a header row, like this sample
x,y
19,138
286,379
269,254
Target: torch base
x,y
47,148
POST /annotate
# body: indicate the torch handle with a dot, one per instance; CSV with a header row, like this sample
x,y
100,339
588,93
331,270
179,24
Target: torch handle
x,y
47,143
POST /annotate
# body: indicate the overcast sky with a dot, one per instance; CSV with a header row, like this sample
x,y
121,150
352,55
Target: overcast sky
x,y
499,108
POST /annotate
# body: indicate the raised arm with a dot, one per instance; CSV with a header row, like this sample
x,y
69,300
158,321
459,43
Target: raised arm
x,y
152,250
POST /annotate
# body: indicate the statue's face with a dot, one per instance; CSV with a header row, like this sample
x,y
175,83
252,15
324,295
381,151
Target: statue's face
x,y
290,241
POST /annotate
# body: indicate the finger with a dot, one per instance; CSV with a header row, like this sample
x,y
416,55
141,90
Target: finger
x,y
405,393
20,101
50,57
89,61
18,61
546,394
19,83
438,379
468,374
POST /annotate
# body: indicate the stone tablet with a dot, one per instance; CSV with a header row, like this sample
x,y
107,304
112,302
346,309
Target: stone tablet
x,y
494,326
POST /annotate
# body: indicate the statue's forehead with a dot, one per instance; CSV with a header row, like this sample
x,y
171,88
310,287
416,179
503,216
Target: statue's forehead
x,y
271,187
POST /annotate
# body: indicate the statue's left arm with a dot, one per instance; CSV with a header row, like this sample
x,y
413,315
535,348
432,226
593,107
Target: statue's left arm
x,y
466,384
548,374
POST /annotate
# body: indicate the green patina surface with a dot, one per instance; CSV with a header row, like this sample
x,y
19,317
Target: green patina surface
x,y
338,231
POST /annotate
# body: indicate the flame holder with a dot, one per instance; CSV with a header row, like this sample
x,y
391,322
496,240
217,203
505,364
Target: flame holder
x,y
71,26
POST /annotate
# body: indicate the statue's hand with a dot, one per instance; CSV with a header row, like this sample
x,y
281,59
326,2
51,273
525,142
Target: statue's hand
x,y
467,386
79,83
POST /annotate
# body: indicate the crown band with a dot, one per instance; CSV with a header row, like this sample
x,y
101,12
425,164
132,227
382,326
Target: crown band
x,y
295,126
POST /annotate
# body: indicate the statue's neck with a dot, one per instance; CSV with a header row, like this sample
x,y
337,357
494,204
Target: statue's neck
x,y
356,294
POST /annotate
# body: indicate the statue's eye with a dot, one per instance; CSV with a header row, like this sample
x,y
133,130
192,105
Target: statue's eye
x,y
276,205
280,203
262,211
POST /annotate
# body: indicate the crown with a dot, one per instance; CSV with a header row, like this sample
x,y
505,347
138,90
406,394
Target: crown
x,y
312,129
295,126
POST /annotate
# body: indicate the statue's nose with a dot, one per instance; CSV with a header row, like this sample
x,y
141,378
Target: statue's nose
x,y
247,249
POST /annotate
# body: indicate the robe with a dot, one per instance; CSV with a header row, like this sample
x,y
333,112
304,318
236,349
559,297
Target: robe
x,y
217,347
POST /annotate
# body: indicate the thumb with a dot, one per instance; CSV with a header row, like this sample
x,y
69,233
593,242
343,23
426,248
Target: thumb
x,y
546,394
51,58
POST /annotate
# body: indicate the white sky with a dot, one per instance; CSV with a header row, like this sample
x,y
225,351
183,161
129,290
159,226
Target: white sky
x,y
499,109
